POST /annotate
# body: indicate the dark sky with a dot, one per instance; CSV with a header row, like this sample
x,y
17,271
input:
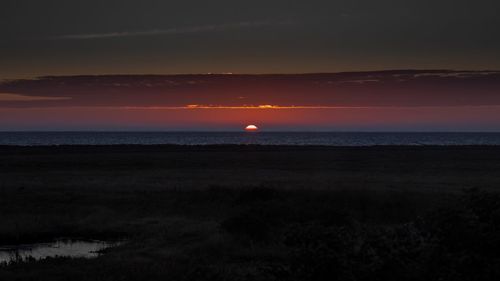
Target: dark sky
x,y
62,37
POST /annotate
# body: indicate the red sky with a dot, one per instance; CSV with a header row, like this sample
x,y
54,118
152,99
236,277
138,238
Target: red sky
x,y
363,101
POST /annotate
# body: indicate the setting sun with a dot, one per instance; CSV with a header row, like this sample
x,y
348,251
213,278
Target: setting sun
x,y
251,128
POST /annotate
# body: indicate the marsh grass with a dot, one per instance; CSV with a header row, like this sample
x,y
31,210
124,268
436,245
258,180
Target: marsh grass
x,y
258,240
297,219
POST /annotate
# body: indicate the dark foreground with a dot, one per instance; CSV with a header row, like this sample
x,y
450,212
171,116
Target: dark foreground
x,y
256,213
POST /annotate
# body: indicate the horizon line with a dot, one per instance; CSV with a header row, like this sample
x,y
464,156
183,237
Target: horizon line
x,y
254,132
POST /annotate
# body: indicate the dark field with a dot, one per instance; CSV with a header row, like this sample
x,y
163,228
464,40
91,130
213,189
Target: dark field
x,y
256,212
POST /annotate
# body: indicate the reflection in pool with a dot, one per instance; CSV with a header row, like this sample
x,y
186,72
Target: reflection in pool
x,y
59,248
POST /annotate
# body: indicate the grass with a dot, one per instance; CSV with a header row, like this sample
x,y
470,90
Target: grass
x,y
256,213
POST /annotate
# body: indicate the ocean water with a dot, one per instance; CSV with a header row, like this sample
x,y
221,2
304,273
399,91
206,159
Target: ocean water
x,y
246,138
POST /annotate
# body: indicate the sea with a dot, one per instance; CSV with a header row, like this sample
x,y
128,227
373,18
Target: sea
x,y
246,138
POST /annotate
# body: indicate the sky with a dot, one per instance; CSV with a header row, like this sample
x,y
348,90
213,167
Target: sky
x,y
115,65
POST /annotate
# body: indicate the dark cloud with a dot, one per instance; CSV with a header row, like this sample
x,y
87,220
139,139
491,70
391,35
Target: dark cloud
x,y
398,88
175,30
8,97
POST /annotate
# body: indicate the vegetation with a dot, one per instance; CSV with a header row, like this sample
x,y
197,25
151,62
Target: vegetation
x,y
268,229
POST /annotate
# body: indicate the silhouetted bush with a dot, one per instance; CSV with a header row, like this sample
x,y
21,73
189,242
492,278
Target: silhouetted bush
x,y
467,238
461,242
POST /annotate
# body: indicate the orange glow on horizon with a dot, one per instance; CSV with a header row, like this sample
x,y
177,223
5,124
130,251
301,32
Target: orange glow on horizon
x,y
264,106
131,118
